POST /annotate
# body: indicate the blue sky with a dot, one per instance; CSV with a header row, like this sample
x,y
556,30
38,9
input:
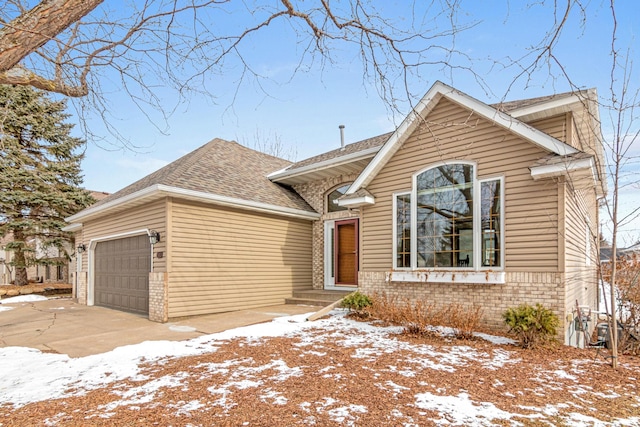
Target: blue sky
x,y
304,111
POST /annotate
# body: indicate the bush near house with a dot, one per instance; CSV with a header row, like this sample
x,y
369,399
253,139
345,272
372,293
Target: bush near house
x,y
532,326
358,303
421,317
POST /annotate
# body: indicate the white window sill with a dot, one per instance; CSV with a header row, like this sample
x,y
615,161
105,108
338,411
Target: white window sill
x,y
429,276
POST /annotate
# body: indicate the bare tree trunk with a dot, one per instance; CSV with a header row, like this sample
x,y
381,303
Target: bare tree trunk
x,y
613,326
41,24
20,262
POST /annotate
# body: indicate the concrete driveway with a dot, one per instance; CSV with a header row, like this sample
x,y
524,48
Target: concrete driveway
x,y
63,326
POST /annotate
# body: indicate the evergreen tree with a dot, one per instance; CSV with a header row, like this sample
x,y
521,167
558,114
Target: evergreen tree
x,y
39,175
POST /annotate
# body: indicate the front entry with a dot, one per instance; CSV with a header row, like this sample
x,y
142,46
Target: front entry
x,y
341,254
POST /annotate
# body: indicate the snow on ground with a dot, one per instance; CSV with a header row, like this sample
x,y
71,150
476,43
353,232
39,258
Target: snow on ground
x,y
19,299
23,298
28,375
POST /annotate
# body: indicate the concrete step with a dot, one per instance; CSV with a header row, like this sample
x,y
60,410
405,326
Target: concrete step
x,y
316,297
305,301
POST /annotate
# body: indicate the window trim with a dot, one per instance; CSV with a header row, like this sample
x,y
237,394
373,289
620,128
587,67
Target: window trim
x,y
449,272
499,178
395,229
331,190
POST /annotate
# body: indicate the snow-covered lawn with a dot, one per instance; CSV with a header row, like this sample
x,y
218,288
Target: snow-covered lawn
x,y
334,371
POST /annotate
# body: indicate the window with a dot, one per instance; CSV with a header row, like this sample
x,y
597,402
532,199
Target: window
x,y
402,226
449,220
332,199
444,214
490,213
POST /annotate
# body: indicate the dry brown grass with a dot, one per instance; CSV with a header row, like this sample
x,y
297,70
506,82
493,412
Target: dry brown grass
x,y
420,317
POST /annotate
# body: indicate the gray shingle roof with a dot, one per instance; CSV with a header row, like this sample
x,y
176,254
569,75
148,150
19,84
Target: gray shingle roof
x,y
376,141
223,168
508,106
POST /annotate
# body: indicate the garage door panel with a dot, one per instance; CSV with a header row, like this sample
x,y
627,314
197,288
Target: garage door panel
x,y
122,274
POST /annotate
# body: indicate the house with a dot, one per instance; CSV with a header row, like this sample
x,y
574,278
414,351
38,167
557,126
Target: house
x,y
607,251
493,205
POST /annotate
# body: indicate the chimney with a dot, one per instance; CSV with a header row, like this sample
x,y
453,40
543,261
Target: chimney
x,y
341,137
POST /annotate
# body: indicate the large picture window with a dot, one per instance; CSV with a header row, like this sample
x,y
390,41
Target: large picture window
x,y
449,220
444,214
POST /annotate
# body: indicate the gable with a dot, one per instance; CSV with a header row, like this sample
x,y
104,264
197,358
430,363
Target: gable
x,y
422,115
453,134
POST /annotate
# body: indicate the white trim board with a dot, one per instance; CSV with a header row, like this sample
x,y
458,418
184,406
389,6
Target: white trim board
x,y
424,107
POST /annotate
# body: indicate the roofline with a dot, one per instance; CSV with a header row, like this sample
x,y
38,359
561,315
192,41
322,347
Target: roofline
x,y
437,91
538,172
72,227
545,105
165,190
325,164
357,201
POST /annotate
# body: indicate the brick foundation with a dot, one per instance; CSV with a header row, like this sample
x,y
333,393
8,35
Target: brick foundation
x,y
81,287
520,287
158,298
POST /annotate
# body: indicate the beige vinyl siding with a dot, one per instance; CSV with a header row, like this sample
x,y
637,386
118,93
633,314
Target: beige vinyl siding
x,y
450,133
556,126
148,216
580,275
224,259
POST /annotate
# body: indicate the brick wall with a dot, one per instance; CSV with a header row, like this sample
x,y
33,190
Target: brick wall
x,y
520,287
81,287
315,194
158,298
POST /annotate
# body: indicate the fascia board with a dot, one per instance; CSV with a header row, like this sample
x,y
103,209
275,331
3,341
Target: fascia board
x,y
535,136
239,203
357,201
437,91
71,228
326,164
538,172
160,190
548,105
91,211
401,133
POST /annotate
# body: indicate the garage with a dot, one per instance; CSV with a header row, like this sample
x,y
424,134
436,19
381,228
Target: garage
x,y
122,269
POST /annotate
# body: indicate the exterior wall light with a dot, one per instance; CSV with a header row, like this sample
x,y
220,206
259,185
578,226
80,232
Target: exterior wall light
x,y
154,237
81,248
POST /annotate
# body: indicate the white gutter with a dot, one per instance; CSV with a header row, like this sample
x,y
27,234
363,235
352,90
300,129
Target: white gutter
x,y
357,201
439,89
159,190
72,227
326,164
538,172
549,105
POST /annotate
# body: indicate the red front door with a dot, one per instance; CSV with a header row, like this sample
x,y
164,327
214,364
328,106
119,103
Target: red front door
x,y
346,252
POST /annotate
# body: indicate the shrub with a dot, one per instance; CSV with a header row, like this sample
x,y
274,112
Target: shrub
x,y
531,325
357,302
628,300
419,317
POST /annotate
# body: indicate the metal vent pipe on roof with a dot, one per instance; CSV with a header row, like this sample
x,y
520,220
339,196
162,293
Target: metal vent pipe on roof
x,y
341,137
